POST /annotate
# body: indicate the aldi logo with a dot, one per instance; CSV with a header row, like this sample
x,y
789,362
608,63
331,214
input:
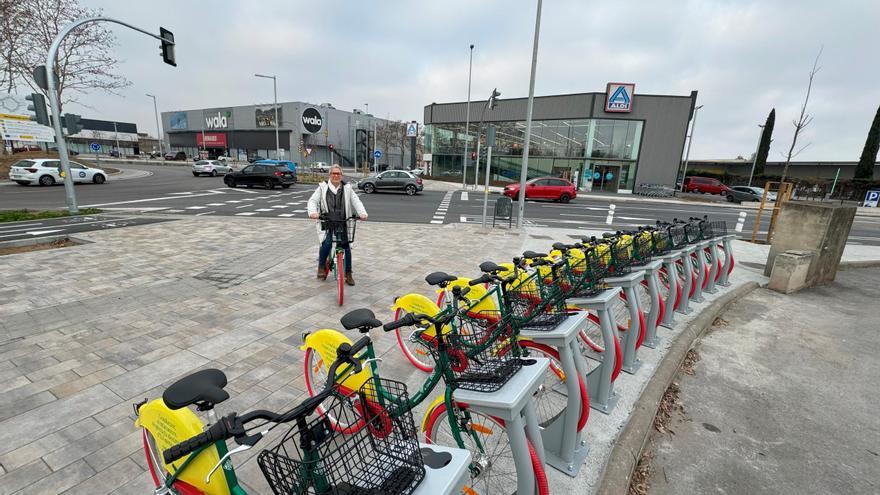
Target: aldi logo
x,y
619,96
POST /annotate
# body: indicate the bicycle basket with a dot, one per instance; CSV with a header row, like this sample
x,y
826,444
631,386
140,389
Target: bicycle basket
x,y
677,236
642,247
693,232
714,228
586,276
538,300
379,453
660,241
482,351
621,255
342,230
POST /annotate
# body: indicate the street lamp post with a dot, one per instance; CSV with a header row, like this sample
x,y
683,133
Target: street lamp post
x,y
755,159
467,123
275,106
158,132
524,170
690,140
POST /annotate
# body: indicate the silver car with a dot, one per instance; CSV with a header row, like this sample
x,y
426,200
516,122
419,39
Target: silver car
x,y
738,194
210,167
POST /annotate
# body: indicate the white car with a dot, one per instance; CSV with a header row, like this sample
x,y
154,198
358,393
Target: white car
x,y
210,167
46,172
319,167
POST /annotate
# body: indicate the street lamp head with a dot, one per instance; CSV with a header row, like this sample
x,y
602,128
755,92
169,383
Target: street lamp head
x,y
267,77
698,107
151,96
472,46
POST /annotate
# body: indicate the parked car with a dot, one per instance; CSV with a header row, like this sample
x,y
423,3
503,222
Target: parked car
x,y
267,175
552,188
287,163
319,167
114,153
391,180
417,171
705,185
175,155
210,167
46,172
255,158
738,194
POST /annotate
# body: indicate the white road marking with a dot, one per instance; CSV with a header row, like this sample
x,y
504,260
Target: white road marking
x,y
235,201
244,191
245,214
286,215
463,219
437,221
279,206
217,204
144,200
263,209
204,213
182,193
31,232
173,211
195,207
244,206
20,225
464,196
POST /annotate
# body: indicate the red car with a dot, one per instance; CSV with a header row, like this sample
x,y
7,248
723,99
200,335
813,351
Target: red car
x,y
544,188
705,185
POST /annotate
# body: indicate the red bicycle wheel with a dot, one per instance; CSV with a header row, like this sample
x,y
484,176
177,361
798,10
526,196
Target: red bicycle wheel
x,y
340,276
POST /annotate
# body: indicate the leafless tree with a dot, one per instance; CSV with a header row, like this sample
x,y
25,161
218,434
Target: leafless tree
x,y
84,61
389,134
13,23
802,121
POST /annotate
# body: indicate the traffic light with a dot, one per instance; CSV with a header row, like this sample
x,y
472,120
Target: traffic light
x,y
330,146
38,106
167,46
473,155
493,100
72,123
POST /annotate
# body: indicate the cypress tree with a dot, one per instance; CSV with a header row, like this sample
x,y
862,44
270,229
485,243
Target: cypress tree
x,y
764,147
865,168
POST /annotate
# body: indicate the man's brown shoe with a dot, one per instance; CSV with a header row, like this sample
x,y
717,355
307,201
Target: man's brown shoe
x,y
322,273
349,280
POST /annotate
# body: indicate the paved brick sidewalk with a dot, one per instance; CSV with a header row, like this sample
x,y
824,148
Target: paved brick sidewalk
x,y
88,330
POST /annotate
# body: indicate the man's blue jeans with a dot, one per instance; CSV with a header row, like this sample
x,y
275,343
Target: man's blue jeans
x,y
325,251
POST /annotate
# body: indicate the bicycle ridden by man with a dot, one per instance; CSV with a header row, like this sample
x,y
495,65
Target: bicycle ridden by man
x,y
335,200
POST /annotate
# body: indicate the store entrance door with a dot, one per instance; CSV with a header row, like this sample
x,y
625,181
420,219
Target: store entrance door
x,y
606,178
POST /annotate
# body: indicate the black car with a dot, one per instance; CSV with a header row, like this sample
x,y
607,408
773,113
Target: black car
x,y
258,174
390,180
175,155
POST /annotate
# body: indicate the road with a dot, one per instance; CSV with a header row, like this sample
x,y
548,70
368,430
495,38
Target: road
x,y
172,190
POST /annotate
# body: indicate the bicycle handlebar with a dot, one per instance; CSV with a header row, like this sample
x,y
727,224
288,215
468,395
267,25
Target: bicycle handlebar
x,y
232,425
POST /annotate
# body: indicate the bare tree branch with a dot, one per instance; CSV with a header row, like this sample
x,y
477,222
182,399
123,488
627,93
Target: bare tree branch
x,y
804,120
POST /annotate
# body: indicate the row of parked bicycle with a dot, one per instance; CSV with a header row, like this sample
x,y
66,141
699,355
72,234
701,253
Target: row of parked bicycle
x,y
524,351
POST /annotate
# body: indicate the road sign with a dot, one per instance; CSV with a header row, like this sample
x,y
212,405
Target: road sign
x,y
412,129
308,151
377,154
16,124
872,198
95,147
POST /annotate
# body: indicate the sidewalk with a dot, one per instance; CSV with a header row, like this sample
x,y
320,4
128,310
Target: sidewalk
x,y
783,398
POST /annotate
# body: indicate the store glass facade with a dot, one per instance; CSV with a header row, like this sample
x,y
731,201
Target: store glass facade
x,y
599,154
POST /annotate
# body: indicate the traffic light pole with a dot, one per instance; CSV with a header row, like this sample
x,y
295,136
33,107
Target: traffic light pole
x,y
69,193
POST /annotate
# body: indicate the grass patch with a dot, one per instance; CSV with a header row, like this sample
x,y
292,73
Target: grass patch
x,y
19,215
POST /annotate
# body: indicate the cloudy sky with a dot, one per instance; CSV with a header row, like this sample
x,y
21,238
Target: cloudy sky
x,y
744,57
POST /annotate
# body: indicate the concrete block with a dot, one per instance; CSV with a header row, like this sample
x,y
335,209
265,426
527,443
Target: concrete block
x,y
819,228
790,270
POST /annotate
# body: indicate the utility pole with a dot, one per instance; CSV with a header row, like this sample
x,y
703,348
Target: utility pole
x,y
275,106
524,170
116,133
467,122
490,142
688,153
158,132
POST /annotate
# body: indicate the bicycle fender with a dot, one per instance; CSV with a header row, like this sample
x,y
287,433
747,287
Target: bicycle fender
x,y
325,342
430,410
172,426
416,303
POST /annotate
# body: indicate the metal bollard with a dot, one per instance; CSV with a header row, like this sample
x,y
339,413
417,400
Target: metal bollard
x,y
672,276
700,270
652,278
599,385
628,283
684,305
728,259
713,270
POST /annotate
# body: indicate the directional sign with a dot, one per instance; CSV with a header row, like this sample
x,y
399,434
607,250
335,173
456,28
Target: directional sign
x,y
16,124
872,198
95,147
377,154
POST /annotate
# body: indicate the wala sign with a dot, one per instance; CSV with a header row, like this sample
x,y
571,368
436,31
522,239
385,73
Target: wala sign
x,y
311,120
219,120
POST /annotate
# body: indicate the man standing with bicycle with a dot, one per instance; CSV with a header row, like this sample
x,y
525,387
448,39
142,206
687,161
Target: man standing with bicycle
x,y
335,200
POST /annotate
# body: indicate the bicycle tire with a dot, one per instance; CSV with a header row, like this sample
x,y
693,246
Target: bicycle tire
x,y
154,467
417,355
437,420
339,273
556,371
313,364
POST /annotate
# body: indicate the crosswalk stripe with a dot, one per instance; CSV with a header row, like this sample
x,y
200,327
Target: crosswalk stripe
x,y
245,214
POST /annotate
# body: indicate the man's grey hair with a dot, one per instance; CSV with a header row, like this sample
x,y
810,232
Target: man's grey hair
x,y
336,166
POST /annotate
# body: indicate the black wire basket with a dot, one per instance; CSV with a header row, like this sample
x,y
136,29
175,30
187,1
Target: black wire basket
x,y
537,302
481,349
677,236
621,254
342,230
713,229
585,276
378,452
693,232
642,247
661,243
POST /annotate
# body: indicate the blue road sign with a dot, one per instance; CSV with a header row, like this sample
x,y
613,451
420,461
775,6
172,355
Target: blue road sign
x,y
95,147
377,154
872,198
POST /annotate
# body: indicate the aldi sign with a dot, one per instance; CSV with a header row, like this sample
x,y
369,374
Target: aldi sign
x,y
619,97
